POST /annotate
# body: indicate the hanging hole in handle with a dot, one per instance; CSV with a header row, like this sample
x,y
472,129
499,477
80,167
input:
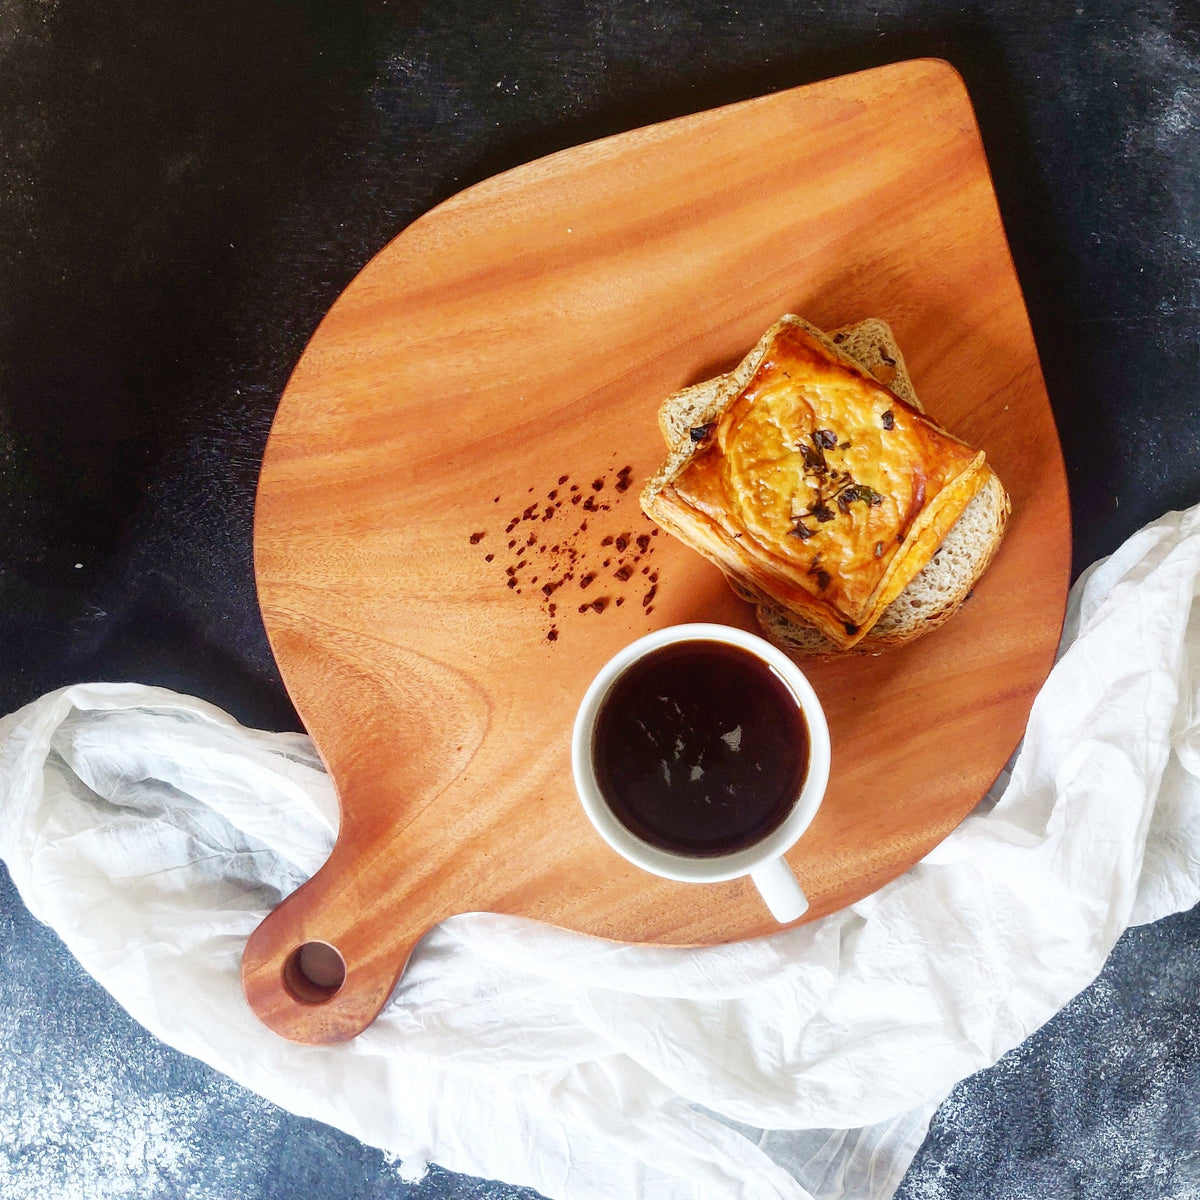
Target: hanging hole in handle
x,y
314,972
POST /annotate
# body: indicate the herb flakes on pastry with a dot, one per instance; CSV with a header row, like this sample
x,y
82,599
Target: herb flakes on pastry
x,y
824,493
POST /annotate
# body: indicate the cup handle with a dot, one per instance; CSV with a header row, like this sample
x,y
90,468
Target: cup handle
x,y
778,886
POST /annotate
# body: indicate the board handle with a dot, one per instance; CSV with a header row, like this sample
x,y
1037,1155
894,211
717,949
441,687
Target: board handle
x,y
316,973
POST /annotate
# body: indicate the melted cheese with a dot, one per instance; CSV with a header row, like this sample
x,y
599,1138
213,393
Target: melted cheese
x,y
820,488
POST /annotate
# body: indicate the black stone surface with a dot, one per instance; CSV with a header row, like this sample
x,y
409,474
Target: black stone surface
x,y
185,189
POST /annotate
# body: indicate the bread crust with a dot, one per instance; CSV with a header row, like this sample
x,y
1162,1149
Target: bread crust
x,y
935,591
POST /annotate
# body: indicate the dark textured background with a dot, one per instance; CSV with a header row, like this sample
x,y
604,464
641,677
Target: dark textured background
x,y
186,188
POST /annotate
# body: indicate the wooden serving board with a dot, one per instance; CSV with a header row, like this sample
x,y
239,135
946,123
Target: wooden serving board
x,y
448,542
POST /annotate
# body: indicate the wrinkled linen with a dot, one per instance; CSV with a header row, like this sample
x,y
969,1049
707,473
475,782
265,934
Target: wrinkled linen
x,y
153,833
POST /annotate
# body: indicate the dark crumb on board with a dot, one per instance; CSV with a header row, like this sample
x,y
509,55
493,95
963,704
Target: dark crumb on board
x,y
566,560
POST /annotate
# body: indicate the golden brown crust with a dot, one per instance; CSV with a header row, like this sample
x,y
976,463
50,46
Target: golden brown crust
x,y
935,594
814,487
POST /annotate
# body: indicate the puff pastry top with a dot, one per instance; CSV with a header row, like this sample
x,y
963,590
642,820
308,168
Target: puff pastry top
x,y
820,488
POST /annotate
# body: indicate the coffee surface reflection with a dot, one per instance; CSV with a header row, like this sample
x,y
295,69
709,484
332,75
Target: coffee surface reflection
x,y
700,748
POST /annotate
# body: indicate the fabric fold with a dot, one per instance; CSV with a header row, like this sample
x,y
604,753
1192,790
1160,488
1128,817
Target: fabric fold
x,y
153,833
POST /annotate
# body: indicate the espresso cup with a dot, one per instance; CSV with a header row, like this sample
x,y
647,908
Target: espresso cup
x,y
701,753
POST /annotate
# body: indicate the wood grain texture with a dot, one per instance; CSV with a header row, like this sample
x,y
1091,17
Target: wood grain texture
x,y
427,571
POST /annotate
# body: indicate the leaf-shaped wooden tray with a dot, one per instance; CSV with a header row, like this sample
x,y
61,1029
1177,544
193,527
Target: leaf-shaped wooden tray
x,y
448,541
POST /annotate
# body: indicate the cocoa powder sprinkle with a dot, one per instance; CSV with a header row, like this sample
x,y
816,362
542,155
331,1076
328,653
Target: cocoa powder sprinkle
x,y
571,558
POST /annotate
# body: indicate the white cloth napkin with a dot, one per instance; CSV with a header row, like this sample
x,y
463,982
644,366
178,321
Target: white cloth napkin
x,y
154,833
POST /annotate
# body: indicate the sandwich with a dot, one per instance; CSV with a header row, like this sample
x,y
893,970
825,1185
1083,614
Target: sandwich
x,y
810,475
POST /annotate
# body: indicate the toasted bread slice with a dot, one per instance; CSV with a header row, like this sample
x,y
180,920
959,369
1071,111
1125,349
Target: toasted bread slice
x,y
950,559
869,344
933,596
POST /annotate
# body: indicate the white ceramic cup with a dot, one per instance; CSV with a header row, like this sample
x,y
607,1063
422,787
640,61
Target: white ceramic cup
x,y
763,861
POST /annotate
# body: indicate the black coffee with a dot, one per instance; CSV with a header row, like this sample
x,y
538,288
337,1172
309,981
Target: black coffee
x,y
700,748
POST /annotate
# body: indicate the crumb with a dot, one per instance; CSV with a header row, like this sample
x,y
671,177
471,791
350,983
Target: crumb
x,y
568,560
